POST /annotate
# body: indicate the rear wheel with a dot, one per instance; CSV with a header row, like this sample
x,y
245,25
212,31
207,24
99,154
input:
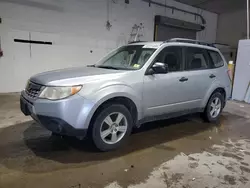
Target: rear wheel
x,y
112,127
214,107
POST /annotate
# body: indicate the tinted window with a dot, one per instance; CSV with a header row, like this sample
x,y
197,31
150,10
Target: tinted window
x,y
217,60
172,56
196,59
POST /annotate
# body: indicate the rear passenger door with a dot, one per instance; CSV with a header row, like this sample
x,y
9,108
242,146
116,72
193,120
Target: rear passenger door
x,y
198,71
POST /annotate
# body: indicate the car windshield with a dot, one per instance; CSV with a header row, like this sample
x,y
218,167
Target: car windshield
x,y
131,57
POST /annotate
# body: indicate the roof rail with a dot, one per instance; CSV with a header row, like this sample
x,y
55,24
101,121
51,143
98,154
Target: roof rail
x,y
191,41
136,42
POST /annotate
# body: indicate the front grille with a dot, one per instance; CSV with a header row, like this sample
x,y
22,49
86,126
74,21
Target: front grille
x,y
33,90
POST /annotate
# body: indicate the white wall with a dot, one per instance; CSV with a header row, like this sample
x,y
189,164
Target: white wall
x,y
231,28
75,27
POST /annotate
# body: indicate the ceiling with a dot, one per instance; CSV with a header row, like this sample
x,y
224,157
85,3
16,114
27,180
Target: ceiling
x,y
217,6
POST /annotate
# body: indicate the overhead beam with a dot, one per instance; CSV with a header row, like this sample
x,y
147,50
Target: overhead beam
x,y
177,9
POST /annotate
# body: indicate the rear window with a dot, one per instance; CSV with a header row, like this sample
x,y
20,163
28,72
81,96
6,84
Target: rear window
x,y
216,58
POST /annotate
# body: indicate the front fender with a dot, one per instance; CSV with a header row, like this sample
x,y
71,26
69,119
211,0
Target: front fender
x,y
110,92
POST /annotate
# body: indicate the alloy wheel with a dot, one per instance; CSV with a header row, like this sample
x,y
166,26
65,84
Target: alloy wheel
x,y
215,107
113,128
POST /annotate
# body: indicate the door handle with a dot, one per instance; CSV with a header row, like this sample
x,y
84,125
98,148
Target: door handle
x,y
183,79
212,76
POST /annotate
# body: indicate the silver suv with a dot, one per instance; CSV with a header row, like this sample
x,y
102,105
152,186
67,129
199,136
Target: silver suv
x,y
134,84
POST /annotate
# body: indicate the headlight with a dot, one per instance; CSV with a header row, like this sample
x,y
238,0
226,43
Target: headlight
x,y
55,93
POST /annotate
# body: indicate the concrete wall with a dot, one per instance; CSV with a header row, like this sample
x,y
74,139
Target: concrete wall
x,y
76,28
231,28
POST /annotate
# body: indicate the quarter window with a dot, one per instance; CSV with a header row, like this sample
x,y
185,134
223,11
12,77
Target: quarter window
x,y
196,59
216,58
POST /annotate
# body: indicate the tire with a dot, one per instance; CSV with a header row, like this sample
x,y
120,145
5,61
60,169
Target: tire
x,y
210,116
108,127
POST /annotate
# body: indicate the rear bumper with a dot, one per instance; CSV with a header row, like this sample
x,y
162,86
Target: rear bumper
x,y
66,117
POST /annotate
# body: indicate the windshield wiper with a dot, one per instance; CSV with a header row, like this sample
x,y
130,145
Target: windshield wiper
x,y
107,67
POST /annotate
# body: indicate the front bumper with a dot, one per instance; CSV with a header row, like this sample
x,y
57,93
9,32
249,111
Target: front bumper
x,y
70,116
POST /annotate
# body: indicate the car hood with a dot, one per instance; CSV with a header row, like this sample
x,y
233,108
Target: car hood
x,y
73,76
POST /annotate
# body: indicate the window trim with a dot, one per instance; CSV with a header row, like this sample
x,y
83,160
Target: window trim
x,y
211,59
206,56
182,60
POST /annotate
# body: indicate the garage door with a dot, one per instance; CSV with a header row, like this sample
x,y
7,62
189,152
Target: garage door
x,y
166,32
167,28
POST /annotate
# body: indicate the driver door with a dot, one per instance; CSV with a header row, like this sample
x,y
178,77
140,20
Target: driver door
x,y
166,93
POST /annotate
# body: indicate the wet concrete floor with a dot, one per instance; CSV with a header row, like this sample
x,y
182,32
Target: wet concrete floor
x,y
31,157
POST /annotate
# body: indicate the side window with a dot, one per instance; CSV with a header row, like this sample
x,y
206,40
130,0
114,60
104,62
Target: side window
x,y
196,59
216,58
172,56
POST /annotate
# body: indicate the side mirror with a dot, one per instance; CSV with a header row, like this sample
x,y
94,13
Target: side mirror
x,y
158,68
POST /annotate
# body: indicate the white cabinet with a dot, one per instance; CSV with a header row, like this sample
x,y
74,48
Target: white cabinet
x,y
242,72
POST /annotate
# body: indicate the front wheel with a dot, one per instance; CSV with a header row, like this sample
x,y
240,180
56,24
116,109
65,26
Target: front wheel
x,y
214,107
112,127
